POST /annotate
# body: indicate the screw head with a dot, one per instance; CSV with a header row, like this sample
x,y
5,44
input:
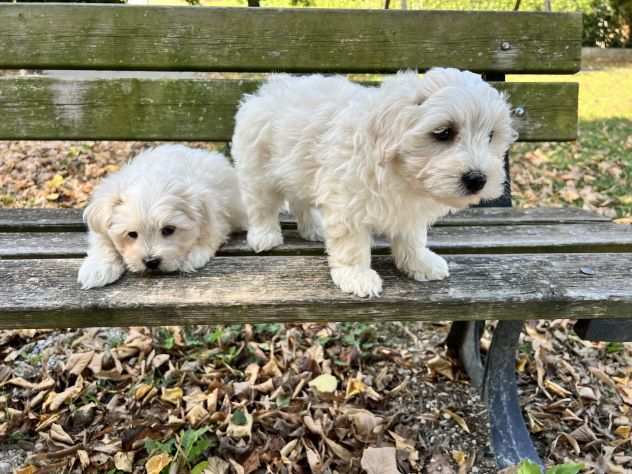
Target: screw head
x,y
519,111
505,45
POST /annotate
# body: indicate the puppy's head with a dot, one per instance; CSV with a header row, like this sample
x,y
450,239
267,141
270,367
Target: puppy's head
x,y
446,135
153,226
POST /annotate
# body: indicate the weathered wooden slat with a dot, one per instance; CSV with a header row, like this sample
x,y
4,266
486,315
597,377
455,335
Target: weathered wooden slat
x,y
192,109
594,237
68,220
44,293
231,39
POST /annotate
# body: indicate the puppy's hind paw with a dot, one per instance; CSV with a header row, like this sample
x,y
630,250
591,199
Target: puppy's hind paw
x,y
359,281
312,232
262,240
94,274
431,267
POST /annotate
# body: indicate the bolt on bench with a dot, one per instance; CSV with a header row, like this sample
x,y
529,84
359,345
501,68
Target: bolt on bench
x,y
506,264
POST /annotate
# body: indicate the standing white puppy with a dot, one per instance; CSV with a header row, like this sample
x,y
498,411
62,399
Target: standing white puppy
x,y
169,209
387,160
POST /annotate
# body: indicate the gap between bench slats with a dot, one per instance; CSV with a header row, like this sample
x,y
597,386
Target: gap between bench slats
x,y
594,237
44,293
186,109
49,220
234,39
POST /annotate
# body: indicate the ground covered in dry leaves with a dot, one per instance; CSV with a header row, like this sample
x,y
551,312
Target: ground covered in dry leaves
x,y
296,398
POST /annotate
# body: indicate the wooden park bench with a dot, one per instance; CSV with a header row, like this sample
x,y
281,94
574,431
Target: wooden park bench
x,y
506,264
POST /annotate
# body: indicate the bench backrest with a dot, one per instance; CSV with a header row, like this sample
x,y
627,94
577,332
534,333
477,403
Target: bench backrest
x,y
165,106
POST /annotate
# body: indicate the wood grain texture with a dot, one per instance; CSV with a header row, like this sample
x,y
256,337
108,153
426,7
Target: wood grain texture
x,y
55,220
193,109
44,293
594,237
234,39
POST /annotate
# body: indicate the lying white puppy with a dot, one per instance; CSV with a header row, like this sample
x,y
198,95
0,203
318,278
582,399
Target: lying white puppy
x,y
169,209
387,160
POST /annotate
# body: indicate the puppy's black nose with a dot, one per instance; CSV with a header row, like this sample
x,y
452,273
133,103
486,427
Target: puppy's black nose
x,y
152,263
474,181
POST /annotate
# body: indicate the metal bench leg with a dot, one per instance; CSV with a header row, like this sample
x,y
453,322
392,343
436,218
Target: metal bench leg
x,y
464,341
510,438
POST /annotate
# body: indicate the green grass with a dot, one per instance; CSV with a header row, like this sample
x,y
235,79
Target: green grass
x,y
599,164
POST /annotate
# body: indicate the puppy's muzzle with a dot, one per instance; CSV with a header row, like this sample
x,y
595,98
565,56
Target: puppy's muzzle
x,y
473,181
152,263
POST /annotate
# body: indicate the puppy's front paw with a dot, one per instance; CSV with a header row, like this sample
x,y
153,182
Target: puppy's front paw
x,y
198,257
261,240
430,267
93,273
357,280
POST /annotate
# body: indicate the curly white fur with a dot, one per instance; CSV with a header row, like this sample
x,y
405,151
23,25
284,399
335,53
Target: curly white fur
x,y
369,160
191,193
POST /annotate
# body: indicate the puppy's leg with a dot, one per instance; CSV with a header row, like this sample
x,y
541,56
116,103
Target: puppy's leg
x,y
102,266
349,251
263,203
307,221
415,260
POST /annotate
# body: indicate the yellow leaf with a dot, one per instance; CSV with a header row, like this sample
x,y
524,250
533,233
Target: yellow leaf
x,y
52,196
29,469
142,390
172,395
157,463
625,199
459,457
624,220
623,432
325,383
354,387
55,182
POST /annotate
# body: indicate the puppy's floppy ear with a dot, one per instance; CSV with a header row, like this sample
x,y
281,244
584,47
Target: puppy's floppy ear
x,y
98,213
386,123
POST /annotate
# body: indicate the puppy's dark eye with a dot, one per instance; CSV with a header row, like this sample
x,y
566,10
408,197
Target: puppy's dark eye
x,y
443,134
491,136
132,235
168,230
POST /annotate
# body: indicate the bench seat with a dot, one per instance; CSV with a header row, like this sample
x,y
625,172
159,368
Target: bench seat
x,y
527,264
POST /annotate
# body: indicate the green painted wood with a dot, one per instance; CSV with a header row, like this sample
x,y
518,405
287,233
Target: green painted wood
x,y
190,109
69,220
45,294
297,40
589,237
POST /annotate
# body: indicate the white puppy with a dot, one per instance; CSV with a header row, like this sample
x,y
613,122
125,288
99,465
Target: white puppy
x,y
387,160
169,209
